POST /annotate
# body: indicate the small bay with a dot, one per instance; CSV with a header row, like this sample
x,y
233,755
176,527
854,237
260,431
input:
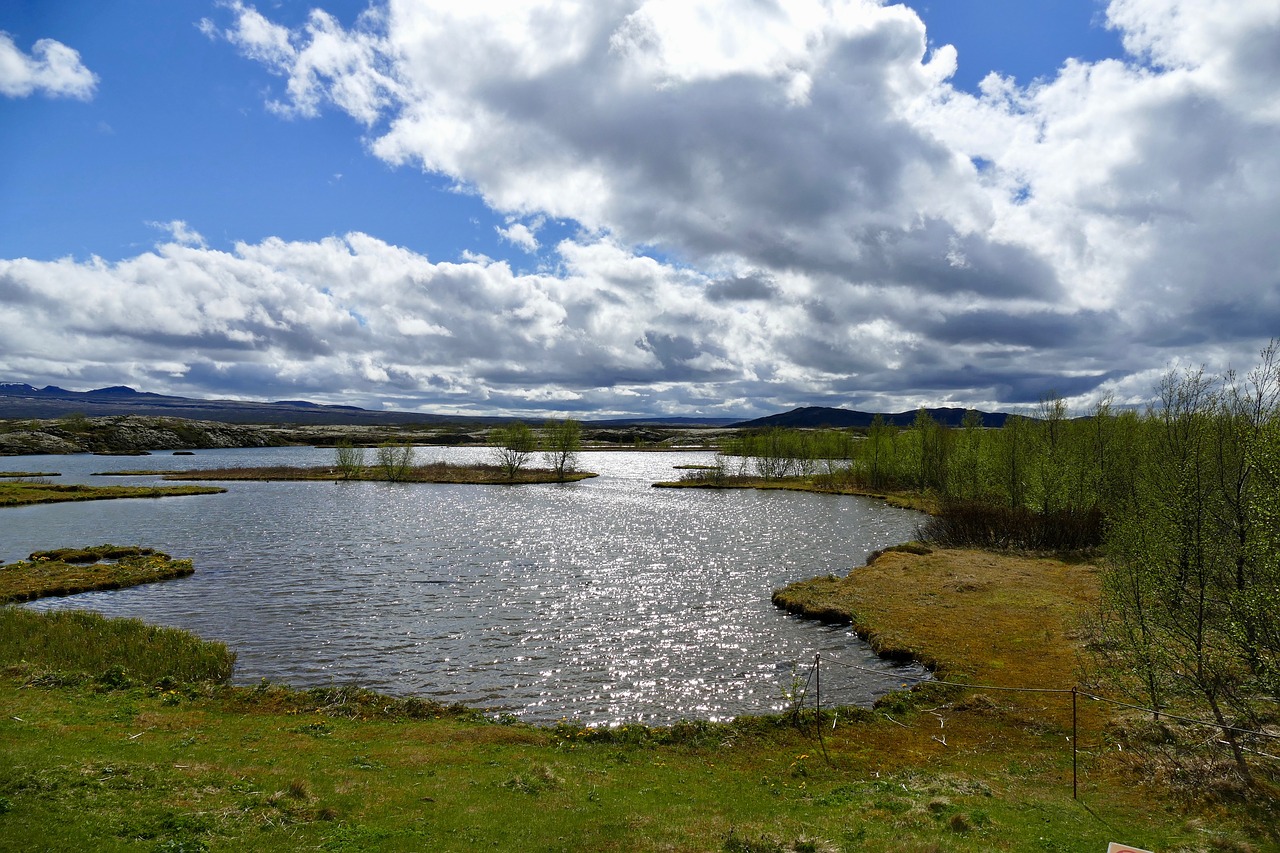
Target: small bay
x,y
604,601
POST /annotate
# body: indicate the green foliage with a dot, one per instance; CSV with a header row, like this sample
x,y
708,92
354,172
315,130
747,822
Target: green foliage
x,y
348,459
1193,535
561,441
514,444
75,422
71,645
395,461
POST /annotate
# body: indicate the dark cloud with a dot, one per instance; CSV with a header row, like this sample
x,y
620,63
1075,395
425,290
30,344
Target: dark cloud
x,y
743,289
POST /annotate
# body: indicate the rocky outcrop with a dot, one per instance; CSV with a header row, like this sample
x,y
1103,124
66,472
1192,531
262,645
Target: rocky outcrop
x,y
129,434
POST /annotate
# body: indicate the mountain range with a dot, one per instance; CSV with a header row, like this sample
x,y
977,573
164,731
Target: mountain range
x,y
26,401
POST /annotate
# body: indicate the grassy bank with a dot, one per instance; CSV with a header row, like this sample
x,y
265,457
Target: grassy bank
x,y
25,493
437,472
69,571
72,647
974,616
825,485
127,762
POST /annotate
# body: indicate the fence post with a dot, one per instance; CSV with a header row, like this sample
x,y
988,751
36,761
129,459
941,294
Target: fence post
x,y
1074,741
817,673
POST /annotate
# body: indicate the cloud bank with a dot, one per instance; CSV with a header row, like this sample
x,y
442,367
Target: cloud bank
x,y
780,204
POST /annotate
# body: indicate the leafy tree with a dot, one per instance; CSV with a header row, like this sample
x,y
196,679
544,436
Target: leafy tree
x,y
561,442
1193,580
395,461
878,456
515,443
934,441
349,459
966,471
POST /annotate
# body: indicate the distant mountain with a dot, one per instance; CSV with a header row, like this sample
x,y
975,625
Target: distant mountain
x,y
25,401
823,416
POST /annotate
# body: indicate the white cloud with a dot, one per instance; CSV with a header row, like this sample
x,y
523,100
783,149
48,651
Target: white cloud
x,y
323,62
181,233
51,69
521,235
838,223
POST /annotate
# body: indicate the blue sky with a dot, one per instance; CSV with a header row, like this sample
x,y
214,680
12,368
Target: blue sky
x,y
726,211
177,129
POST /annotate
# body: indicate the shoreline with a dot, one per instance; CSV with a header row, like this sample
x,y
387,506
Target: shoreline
x,y
935,768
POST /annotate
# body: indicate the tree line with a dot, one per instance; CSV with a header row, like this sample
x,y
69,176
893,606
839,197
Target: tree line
x,y
1182,500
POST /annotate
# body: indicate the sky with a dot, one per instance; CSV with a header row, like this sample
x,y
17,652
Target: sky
x,y
601,208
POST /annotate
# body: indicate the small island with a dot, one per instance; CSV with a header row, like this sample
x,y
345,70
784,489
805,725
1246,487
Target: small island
x,y
67,571
435,472
27,492
712,477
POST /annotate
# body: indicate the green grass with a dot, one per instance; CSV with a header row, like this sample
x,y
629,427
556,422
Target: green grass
x,y
146,750
71,570
24,493
10,474
74,646
164,769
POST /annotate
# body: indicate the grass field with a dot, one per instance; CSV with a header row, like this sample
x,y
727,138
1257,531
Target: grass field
x,y
114,760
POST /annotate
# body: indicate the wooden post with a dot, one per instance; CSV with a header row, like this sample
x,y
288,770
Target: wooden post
x,y
1074,741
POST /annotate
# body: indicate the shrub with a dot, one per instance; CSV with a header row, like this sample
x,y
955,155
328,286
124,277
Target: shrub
x,y
980,524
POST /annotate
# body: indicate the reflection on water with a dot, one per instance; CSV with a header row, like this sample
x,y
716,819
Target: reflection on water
x,y
605,600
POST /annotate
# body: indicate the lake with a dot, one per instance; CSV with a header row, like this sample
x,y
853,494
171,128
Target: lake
x,y
604,601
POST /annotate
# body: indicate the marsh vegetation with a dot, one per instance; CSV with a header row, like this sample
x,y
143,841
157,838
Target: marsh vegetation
x,y
1181,502
67,571
26,492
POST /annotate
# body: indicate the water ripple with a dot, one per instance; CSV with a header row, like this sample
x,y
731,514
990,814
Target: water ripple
x,y
605,600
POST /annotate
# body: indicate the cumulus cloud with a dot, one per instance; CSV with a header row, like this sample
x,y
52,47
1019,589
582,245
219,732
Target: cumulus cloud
x,y
51,69
359,320
836,222
181,233
521,235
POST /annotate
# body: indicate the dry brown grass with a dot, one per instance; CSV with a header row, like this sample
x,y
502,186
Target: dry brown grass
x,y
822,485
973,616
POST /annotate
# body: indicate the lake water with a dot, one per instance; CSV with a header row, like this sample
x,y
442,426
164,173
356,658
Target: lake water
x,y
603,601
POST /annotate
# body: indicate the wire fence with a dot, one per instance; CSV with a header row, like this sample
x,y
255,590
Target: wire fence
x,y
814,679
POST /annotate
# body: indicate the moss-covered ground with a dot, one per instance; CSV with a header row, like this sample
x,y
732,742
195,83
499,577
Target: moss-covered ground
x,y
71,570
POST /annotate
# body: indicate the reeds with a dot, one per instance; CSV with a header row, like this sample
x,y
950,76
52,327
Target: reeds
x,y
74,646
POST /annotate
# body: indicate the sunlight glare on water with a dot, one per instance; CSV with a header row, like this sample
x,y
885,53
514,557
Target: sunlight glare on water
x,y
605,600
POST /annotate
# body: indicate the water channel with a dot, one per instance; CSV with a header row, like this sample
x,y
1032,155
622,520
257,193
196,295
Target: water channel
x,y
604,601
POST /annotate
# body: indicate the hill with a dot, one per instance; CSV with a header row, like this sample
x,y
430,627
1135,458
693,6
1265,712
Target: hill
x,y
20,401
823,416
